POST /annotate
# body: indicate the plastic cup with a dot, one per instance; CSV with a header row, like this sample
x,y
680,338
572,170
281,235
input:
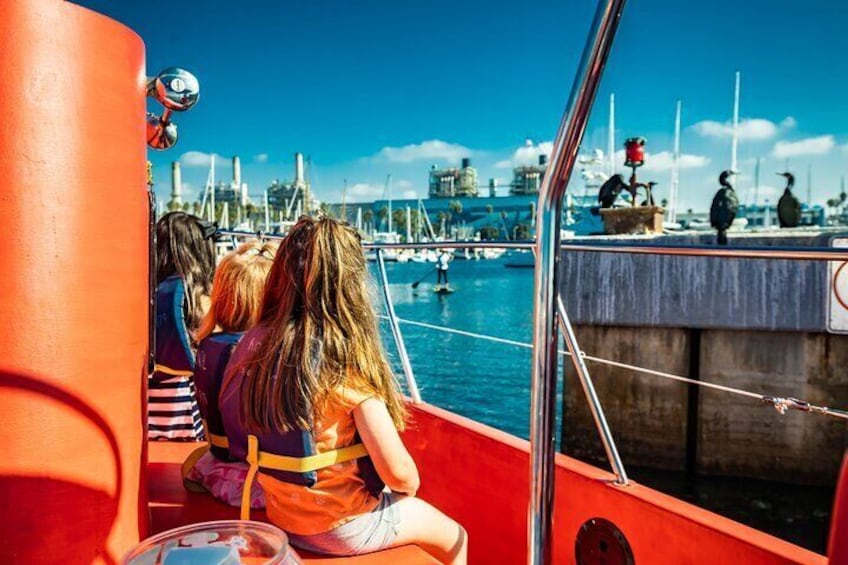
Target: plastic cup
x,y
225,542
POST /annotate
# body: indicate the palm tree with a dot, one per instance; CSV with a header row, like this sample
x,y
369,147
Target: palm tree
x,y
382,213
367,217
398,219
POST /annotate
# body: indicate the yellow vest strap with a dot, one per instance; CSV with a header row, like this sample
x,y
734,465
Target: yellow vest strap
x,y
187,466
312,462
256,459
219,441
170,371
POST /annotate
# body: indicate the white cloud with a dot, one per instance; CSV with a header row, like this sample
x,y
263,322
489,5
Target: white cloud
x,y
200,159
528,154
749,128
431,150
845,148
409,194
260,158
820,145
364,191
664,160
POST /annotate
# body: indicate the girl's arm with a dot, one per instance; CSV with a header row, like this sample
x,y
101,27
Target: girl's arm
x,y
393,462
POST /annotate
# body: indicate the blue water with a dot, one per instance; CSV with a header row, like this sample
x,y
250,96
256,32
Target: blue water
x,y
488,382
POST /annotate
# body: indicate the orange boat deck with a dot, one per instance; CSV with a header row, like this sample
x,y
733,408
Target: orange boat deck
x,y
479,476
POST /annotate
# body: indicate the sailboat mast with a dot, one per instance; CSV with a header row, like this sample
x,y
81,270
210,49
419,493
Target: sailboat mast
x,y
735,141
344,201
611,136
756,180
389,190
675,169
212,188
267,212
809,184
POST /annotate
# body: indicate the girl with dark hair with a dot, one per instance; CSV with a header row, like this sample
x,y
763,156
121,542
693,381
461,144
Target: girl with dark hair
x,y
185,265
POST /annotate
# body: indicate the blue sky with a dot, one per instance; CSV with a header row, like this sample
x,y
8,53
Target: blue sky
x,y
376,87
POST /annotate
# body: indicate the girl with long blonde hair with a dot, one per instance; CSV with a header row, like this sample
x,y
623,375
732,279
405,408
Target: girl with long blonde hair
x,y
235,306
315,362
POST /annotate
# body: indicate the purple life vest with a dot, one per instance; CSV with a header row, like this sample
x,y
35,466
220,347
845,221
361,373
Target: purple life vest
x,y
293,443
213,354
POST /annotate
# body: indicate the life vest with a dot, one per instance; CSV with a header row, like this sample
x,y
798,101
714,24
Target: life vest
x,y
287,456
213,354
174,356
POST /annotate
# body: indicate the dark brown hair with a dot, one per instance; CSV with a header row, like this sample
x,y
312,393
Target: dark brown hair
x,y
183,249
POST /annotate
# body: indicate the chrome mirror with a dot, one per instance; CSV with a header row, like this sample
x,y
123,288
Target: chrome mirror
x,y
177,90
161,134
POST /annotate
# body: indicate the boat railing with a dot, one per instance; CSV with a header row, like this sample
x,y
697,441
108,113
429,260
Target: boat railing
x,y
580,358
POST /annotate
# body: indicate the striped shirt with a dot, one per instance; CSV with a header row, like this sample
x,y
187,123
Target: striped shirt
x,y
172,410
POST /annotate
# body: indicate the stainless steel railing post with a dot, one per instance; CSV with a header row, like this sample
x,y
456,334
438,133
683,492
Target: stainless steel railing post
x,y
591,396
548,215
401,347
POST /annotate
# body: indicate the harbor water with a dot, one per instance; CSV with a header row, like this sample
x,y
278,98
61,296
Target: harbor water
x,y
490,382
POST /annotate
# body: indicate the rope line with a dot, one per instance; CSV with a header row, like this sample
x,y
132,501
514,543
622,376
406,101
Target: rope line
x,y
779,403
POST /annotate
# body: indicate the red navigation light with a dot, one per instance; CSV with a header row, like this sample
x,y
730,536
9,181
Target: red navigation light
x,y
634,150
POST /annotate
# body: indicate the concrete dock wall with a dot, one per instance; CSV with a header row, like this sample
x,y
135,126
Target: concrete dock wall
x,y
750,324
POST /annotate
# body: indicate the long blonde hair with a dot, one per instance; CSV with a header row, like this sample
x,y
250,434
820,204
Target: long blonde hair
x,y
322,332
237,288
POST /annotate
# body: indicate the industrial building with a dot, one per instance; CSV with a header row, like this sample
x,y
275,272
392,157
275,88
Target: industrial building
x,y
453,182
290,197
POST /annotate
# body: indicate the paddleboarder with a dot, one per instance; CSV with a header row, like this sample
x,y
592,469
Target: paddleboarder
x,y
442,267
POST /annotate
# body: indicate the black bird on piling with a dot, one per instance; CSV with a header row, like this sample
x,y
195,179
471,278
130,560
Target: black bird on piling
x,y
649,189
788,207
610,190
725,205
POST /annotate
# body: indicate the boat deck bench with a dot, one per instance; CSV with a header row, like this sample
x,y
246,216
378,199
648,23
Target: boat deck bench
x,y
172,506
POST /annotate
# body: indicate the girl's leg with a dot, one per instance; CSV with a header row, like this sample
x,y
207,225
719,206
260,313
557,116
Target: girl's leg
x,y
426,527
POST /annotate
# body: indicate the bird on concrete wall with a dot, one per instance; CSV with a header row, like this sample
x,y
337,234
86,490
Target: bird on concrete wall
x,y
788,207
724,207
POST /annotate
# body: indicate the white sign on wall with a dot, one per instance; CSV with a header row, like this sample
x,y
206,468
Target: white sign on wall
x,y
837,277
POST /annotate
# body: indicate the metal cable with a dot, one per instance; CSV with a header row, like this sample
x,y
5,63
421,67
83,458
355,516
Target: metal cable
x,y
779,403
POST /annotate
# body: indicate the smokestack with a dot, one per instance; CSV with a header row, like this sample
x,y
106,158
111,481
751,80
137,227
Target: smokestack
x,y
466,162
543,160
176,181
236,172
298,168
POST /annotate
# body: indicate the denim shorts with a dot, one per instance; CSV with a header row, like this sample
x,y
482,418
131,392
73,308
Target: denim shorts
x,y
370,532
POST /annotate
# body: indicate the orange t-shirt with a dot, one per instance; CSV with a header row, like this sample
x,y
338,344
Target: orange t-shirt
x,y
339,494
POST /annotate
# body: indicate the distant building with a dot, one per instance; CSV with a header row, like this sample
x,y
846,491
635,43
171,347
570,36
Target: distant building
x,y
289,197
527,179
234,192
451,183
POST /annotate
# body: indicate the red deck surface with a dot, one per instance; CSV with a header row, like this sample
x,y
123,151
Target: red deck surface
x,y
172,506
479,476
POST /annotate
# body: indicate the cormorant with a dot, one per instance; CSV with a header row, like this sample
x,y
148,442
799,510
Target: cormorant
x,y
610,190
723,210
788,207
649,190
